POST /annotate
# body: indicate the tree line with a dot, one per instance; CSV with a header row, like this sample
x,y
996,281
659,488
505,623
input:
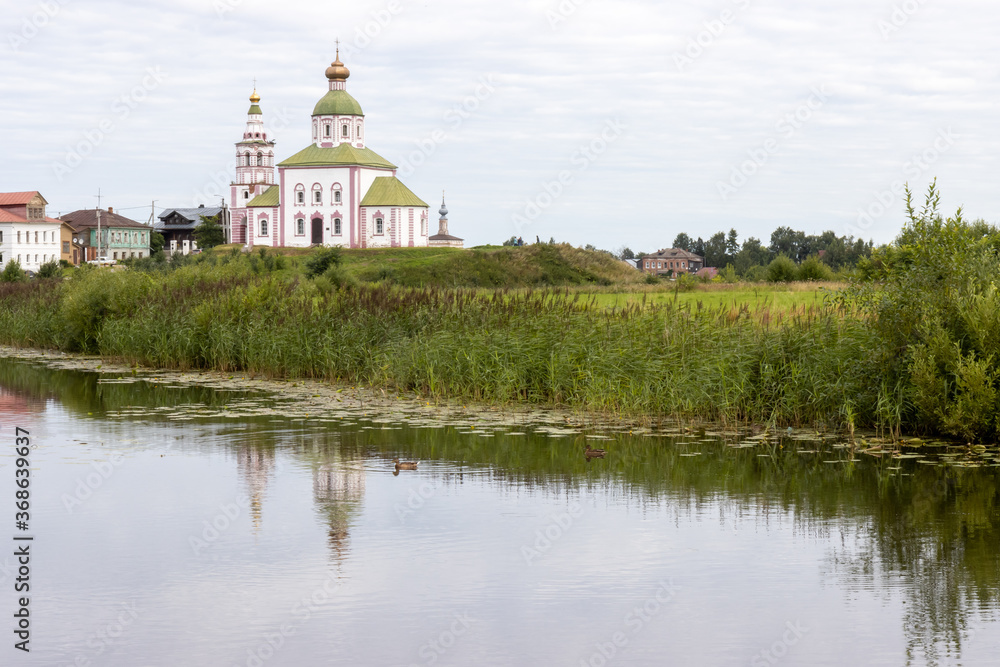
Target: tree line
x,y
751,258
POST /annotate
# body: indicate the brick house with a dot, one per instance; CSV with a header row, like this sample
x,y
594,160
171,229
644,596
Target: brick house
x,y
673,261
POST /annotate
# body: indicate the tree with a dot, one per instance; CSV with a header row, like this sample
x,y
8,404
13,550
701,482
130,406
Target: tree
x,y
715,251
698,247
209,232
12,273
626,253
750,255
732,244
683,241
787,241
156,243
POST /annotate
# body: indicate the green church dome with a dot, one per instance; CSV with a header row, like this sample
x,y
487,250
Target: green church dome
x,y
338,103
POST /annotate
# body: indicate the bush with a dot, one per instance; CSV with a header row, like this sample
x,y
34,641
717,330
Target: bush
x,y
49,270
814,269
321,261
13,273
781,270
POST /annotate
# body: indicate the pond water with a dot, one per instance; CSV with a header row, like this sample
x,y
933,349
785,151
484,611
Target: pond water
x,y
190,525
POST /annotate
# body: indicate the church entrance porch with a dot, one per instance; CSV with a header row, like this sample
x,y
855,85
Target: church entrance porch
x,y
317,231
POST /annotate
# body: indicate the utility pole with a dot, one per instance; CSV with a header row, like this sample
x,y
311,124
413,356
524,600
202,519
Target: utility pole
x,y
152,213
98,258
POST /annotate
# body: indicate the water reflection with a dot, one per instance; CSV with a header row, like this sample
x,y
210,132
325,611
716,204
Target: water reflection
x,y
924,535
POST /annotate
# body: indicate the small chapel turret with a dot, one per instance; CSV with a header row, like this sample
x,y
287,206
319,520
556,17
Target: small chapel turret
x,y
443,238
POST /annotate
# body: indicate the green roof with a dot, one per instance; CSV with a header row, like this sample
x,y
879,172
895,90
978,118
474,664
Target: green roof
x,y
254,109
343,154
338,103
389,191
267,199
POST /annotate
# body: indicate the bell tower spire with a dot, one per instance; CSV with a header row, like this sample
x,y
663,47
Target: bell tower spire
x,y
254,166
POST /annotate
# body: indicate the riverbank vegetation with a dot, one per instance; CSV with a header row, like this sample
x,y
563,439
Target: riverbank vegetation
x,y
910,348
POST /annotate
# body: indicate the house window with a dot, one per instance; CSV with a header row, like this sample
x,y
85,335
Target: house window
x,y
327,129
336,226
65,247
379,226
1,236
36,237
114,255
19,237
263,227
345,131
300,227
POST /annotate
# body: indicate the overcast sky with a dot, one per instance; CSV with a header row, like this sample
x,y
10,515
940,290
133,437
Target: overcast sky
x,y
591,121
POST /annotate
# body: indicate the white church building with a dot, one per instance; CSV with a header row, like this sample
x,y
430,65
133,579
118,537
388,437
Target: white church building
x,y
334,192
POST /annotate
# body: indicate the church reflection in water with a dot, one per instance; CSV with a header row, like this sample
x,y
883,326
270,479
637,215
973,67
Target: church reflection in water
x,y
338,482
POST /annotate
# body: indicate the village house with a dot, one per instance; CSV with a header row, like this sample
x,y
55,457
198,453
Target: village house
x,y
27,236
121,238
178,224
673,261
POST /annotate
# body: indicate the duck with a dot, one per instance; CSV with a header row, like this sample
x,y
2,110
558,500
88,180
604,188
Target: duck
x,y
593,453
405,465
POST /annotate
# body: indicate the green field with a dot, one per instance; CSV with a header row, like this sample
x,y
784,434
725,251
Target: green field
x,y
756,297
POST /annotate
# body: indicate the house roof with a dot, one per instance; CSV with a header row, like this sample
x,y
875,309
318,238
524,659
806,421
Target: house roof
x,y
674,253
267,199
390,191
337,103
344,154
7,216
17,198
87,217
189,214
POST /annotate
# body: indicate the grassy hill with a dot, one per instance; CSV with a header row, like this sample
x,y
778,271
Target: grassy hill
x,y
484,266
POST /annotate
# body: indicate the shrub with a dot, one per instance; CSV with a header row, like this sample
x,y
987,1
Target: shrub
x,y
321,261
13,273
814,269
781,270
49,270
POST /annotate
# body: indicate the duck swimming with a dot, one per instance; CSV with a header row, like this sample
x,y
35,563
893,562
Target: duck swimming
x,y
405,465
593,453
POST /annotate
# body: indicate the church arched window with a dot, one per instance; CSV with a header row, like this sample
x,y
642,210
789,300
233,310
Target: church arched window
x,y
300,226
246,194
263,226
260,159
246,159
327,129
379,226
337,194
317,193
300,194
345,131
337,230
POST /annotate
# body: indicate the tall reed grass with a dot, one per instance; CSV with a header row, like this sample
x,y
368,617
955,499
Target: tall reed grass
x,y
550,346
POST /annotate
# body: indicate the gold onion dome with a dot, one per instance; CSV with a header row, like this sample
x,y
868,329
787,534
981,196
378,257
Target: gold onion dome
x,y
336,71
254,98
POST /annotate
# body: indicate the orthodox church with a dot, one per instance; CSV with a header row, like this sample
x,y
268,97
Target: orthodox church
x,y
334,192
